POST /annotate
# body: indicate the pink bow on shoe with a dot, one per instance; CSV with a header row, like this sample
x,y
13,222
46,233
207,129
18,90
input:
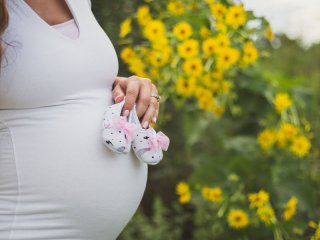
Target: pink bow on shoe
x,y
158,140
120,122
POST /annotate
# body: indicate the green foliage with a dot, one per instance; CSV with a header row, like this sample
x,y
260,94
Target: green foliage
x,y
157,227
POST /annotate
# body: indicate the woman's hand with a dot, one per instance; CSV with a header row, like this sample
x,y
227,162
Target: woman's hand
x,y
139,90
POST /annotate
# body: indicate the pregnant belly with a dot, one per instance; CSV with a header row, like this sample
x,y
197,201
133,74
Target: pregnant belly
x,y
68,184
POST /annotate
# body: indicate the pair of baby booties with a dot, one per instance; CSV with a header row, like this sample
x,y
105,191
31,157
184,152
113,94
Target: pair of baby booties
x,y
120,133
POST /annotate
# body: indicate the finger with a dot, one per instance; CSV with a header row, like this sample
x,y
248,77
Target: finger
x,y
117,94
155,92
154,119
122,81
144,98
155,116
150,113
132,91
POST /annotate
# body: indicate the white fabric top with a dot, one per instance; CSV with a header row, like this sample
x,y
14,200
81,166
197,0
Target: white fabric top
x,y
68,28
57,179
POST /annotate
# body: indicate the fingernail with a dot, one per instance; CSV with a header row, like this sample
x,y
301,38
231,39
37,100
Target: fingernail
x,y
117,98
145,124
126,113
154,119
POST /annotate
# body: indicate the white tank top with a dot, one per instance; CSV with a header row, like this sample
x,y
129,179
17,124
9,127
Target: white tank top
x,y
57,179
68,28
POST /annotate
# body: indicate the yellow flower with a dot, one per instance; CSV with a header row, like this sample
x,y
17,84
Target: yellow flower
x,y
205,98
250,53
224,87
182,30
143,15
136,63
266,214
160,58
300,146
258,199
154,73
182,188
136,66
290,208
185,87
287,131
205,192
201,92
127,54
221,27
217,73
209,2
218,10
192,6
209,46
189,48
217,111
223,42
235,16
175,7
154,30
161,43
185,198
193,67
269,33
206,80
238,218
206,104
212,194
227,58
204,32
125,27
282,102
141,73
316,235
281,139
144,50
266,139
215,85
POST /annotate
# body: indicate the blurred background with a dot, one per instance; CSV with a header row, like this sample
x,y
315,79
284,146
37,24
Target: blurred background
x,y
241,107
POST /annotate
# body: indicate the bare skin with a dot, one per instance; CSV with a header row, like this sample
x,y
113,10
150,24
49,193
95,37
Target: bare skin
x,y
53,12
133,89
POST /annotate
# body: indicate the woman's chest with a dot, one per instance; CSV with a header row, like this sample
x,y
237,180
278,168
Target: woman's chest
x,y
42,66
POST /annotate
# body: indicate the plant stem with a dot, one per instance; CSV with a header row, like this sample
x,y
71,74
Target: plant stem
x,y
277,234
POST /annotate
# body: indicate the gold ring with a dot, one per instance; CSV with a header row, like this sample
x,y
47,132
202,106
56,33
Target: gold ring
x,y
157,97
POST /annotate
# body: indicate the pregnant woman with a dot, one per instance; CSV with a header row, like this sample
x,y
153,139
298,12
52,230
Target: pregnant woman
x,y
58,74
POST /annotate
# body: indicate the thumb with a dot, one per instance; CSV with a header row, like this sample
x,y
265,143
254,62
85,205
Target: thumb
x,y
117,94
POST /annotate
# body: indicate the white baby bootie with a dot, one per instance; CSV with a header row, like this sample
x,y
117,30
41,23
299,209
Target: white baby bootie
x,y
147,144
117,132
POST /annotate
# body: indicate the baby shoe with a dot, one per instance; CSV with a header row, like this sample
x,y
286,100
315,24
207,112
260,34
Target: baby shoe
x,y
117,132
147,144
